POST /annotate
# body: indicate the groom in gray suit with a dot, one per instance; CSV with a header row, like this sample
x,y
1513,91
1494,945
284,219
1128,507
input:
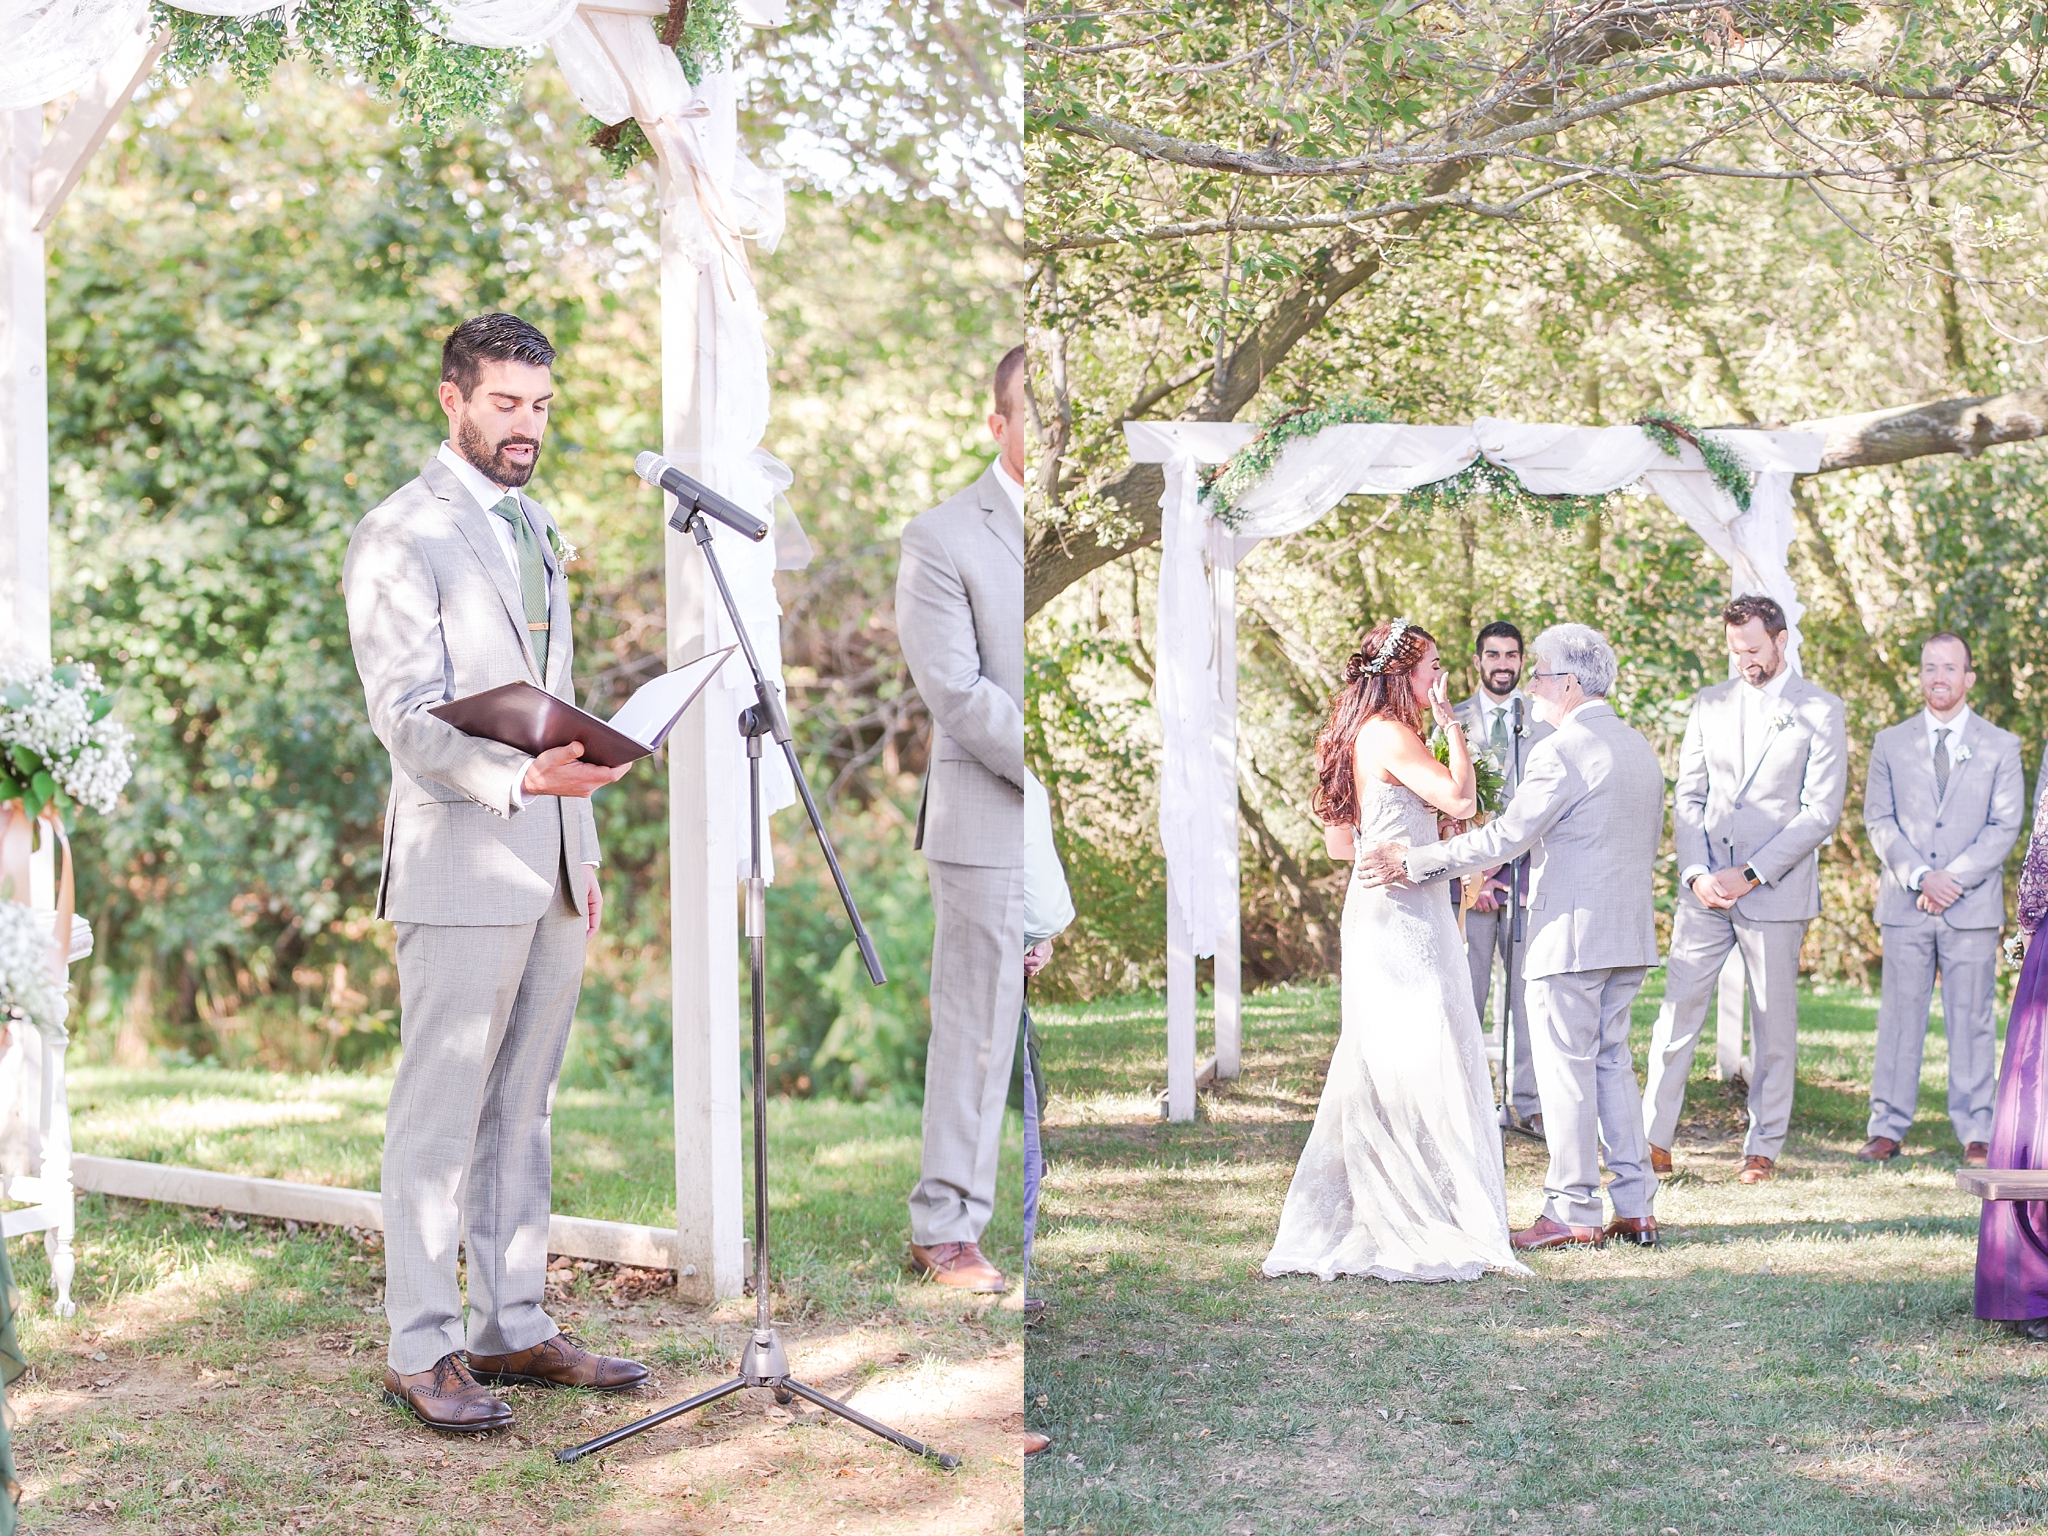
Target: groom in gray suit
x,y
454,585
1500,721
1943,806
1591,806
960,618
1761,776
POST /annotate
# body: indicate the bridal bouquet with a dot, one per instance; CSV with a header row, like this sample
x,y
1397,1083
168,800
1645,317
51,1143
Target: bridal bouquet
x,y
1487,781
59,745
29,983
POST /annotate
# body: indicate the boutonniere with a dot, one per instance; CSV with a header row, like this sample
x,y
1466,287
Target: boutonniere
x,y
565,552
1781,715
1960,756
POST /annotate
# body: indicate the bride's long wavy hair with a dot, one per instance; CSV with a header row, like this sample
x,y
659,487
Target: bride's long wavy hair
x,y
1375,683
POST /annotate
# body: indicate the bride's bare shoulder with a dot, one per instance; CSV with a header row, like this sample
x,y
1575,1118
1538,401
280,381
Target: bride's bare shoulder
x,y
1382,741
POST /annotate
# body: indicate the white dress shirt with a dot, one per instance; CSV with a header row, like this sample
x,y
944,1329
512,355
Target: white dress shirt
x,y
1504,711
488,494
1758,704
1954,727
1012,487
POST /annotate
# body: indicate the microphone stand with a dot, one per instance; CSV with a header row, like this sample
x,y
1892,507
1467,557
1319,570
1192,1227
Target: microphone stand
x,y
763,1362
1510,1116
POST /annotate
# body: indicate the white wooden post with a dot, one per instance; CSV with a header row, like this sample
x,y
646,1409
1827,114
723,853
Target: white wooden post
x,y
703,888
1225,548
24,397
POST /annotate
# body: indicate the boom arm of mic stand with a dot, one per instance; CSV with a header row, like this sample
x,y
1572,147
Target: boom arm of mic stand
x,y
698,526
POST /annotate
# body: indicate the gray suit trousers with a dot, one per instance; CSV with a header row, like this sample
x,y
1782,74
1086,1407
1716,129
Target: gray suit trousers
x,y
1486,935
485,1018
1591,1105
1701,938
977,1006
1967,960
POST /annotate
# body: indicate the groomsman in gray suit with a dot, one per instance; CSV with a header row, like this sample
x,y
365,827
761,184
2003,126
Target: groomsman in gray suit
x,y
454,585
1943,806
1500,721
960,618
1760,782
1591,806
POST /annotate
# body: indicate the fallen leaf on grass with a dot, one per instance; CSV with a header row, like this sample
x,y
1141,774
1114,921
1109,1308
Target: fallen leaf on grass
x,y
1513,1388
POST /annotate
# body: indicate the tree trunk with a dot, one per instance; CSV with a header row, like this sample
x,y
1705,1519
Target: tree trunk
x,y
1967,426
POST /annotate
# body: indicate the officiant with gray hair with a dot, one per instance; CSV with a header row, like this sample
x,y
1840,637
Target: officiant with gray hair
x,y
1943,805
1761,777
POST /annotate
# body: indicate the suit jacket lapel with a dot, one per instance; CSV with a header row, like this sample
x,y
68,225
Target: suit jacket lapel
x,y
1002,519
475,523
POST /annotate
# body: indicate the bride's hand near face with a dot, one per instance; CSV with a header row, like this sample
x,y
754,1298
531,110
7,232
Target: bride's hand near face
x,y
1390,750
1440,703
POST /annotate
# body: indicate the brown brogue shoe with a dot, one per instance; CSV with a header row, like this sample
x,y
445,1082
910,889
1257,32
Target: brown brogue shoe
x,y
1660,1160
1545,1233
1879,1149
1640,1230
447,1397
556,1362
1036,1444
957,1264
1757,1170
1978,1154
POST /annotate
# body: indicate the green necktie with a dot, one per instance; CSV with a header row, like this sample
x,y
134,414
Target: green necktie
x,y
533,577
1497,740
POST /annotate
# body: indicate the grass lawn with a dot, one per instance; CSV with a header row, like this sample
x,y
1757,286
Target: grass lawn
x,y
1800,1356
224,1376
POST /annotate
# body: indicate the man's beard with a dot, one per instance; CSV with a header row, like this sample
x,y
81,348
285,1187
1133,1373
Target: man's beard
x,y
471,443
1502,683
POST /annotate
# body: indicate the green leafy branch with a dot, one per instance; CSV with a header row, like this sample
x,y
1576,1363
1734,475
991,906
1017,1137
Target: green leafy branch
x,y
1667,431
1225,485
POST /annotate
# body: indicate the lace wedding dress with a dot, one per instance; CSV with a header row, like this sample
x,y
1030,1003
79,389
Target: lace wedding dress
x,y
1402,1175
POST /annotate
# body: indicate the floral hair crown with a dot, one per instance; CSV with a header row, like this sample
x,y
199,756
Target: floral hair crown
x,y
1378,664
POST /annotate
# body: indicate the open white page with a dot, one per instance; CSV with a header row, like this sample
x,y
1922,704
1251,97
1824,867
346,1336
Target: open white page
x,y
657,705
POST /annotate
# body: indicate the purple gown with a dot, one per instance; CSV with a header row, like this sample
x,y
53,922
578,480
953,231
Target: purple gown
x,y
2012,1258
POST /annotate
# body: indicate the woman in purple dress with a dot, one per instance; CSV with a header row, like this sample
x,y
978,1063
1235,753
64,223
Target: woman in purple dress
x,y
2012,1242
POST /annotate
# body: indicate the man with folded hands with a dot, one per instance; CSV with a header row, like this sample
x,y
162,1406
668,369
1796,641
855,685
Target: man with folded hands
x,y
1943,806
454,585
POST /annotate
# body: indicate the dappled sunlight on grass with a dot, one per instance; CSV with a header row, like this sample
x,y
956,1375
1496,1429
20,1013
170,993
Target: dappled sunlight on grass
x,y
1799,1357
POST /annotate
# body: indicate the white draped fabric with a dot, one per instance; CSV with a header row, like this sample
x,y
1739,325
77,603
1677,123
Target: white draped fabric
x,y
1198,791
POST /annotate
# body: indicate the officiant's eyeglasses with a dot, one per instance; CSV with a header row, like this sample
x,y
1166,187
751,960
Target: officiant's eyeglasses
x,y
1544,677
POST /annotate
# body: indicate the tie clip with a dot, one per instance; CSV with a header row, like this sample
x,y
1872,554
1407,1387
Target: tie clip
x,y
539,626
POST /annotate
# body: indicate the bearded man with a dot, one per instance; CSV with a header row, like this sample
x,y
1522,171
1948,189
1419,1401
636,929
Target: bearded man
x,y
454,585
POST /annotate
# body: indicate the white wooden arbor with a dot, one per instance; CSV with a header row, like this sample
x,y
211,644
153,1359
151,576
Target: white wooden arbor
x,y
714,410
1196,644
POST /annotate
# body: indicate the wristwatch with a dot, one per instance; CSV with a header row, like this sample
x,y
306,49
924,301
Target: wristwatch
x,y
1750,874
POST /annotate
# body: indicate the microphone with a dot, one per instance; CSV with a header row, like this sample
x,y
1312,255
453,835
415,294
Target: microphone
x,y
694,496
1518,715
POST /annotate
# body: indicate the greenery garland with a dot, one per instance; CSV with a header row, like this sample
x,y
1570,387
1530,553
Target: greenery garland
x,y
432,81
1227,484
1667,431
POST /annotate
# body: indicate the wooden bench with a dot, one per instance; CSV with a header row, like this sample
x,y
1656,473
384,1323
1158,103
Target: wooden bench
x,y
2004,1183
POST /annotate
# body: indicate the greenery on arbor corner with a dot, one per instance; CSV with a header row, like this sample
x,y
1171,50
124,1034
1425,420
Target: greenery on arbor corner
x,y
1228,483
1667,431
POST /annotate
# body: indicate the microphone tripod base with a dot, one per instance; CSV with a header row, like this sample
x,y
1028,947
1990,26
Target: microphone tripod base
x,y
762,1364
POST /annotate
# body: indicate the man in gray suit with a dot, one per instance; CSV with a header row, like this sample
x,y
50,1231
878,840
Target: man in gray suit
x,y
1761,776
1591,806
1943,806
960,618
454,585
1500,721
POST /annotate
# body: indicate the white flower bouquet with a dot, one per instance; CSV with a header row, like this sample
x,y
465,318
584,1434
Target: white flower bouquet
x,y
29,983
59,745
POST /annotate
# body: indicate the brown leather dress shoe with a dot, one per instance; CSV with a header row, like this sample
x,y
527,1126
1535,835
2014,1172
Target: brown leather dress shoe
x,y
1640,1230
1545,1233
447,1397
1036,1444
556,1362
956,1264
1756,1170
1660,1160
1978,1154
1879,1149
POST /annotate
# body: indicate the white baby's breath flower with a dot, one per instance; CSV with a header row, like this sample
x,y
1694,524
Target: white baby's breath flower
x,y
48,712
1960,756
28,981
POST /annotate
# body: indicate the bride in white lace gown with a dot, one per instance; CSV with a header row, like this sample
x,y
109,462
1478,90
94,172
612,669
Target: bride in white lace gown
x,y
1401,1177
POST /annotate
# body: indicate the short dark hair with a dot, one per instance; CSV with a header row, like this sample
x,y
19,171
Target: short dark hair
x,y
1009,378
497,338
1969,657
1499,629
1755,606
